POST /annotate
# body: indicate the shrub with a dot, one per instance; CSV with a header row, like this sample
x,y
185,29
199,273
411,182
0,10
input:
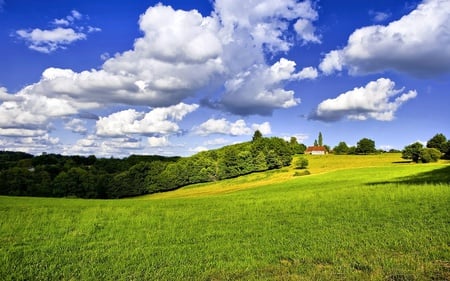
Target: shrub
x,y
302,173
301,163
428,155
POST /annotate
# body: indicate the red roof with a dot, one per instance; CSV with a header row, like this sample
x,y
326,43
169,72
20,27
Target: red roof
x,y
316,148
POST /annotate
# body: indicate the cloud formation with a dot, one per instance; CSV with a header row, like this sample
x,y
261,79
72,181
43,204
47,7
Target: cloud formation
x,y
225,127
417,44
157,122
65,33
181,54
377,100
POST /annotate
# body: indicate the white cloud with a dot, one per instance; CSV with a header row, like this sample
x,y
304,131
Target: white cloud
x,y
377,100
29,141
265,21
74,15
182,52
104,147
264,128
259,90
159,121
306,31
76,125
379,16
417,44
253,86
180,55
307,73
225,127
333,61
63,22
50,40
47,41
300,137
158,141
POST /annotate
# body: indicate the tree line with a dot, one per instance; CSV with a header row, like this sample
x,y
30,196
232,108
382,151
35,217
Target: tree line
x,y
363,146
437,147
54,175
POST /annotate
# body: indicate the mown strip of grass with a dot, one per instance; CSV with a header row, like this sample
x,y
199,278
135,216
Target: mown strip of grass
x,y
383,223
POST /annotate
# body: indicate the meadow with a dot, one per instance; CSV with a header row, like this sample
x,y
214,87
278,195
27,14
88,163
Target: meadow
x,y
354,218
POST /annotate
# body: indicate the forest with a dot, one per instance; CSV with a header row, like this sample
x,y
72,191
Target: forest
x,y
54,175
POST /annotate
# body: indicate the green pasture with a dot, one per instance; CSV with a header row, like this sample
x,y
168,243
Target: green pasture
x,y
372,219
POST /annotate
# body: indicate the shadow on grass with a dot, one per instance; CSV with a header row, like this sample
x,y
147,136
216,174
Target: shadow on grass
x,y
402,162
438,176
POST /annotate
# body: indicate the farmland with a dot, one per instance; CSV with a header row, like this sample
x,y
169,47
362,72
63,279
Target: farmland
x,y
354,218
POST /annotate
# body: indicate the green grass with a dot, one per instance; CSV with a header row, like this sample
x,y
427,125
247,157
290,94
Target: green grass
x,y
387,222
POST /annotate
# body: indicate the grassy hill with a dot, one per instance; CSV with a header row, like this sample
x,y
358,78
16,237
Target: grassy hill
x,y
318,164
353,218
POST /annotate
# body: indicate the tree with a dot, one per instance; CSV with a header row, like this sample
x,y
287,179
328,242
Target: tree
x,y
316,143
260,162
320,142
341,148
447,150
352,150
273,160
297,148
257,135
428,155
365,146
439,141
412,151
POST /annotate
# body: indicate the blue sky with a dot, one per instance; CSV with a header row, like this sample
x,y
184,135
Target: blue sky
x,y
176,77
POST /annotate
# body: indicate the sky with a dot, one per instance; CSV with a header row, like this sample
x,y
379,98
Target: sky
x,y
115,78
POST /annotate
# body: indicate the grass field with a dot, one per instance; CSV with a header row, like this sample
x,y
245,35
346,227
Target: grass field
x,y
361,218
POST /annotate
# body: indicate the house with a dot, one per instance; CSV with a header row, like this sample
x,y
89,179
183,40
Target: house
x,y
316,150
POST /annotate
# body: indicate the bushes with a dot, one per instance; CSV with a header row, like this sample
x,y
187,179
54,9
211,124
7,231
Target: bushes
x,y
428,155
417,153
301,163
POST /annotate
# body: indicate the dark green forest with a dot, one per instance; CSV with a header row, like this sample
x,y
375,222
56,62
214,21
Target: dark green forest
x,y
54,175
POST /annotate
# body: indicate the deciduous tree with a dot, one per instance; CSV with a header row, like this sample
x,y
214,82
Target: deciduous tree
x,y
412,151
341,148
439,141
365,146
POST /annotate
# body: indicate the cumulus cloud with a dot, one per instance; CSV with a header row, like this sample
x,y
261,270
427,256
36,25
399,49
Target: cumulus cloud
x,y
377,100
259,90
250,30
47,41
158,141
306,30
417,44
159,121
76,125
225,127
181,54
307,73
50,40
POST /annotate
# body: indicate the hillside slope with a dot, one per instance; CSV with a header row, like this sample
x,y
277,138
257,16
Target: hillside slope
x,y
318,164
